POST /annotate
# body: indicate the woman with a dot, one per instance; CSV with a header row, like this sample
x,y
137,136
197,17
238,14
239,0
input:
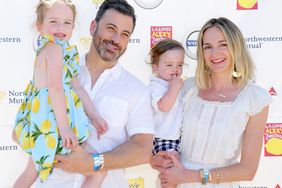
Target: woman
x,y
224,118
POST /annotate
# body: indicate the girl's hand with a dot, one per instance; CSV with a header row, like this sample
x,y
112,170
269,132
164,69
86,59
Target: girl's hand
x,y
69,140
100,124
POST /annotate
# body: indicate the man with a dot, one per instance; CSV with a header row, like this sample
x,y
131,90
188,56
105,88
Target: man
x,y
118,96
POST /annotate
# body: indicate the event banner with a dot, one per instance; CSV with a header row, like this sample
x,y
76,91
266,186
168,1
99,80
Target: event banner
x,y
259,21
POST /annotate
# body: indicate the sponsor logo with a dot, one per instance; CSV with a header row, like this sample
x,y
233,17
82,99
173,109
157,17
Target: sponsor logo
x,y
10,40
159,33
273,139
272,91
16,97
190,44
2,96
97,3
254,42
258,42
247,4
8,148
148,4
136,182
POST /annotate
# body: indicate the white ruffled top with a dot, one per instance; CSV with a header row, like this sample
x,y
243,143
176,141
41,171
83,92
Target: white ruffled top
x,y
212,131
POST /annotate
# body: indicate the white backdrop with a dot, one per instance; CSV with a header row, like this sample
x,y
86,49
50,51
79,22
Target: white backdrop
x,y
260,23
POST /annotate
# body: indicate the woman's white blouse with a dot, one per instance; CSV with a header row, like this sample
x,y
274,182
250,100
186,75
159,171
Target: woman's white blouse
x,y
212,131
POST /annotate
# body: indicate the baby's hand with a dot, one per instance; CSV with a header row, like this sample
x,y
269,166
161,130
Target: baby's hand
x,y
69,140
100,124
176,82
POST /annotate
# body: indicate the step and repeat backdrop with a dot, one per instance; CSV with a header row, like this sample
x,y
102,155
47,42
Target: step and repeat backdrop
x,y
259,20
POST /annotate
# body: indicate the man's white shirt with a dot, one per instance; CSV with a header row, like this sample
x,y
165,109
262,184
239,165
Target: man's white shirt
x,y
124,102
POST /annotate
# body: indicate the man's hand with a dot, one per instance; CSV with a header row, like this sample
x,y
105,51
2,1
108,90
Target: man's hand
x,y
161,160
77,161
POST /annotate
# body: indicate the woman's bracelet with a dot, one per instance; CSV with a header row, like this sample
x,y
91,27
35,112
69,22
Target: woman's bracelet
x,y
205,176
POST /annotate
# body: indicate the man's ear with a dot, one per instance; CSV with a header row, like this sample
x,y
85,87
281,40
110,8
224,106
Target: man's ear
x,y
93,26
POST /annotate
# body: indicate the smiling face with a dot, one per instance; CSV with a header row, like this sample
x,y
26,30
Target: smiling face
x,y
58,21
170,64
216,52
111,35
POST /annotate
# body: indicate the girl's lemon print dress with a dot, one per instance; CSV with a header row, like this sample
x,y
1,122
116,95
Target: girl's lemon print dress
x,y
36,127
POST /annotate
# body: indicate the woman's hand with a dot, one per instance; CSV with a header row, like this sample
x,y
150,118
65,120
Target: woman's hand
x,y
175,174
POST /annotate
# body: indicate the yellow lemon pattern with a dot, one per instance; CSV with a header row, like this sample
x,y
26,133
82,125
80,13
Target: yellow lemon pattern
x,y
35,105
36,126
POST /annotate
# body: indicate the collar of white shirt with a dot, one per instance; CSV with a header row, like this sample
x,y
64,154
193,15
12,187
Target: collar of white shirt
x,y
115,70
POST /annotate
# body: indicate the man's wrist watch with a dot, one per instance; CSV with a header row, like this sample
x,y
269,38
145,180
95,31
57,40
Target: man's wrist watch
x,y
98,160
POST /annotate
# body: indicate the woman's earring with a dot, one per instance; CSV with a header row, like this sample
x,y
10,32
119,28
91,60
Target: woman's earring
x,y
235,73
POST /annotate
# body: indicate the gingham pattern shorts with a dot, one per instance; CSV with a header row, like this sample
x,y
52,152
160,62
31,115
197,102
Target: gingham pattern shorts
x,y
165,145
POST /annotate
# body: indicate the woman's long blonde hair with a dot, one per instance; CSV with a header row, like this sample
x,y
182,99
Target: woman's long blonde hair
x,y
241,60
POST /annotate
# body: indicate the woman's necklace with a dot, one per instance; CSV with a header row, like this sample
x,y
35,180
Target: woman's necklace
x,y
221,95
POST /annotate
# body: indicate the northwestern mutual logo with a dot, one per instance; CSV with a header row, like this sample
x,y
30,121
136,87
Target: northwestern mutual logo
x,y
16,97
9,39
259,41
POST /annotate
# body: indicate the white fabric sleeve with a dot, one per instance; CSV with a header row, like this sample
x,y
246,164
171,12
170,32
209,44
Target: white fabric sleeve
x,y
140,119
259,98
157,92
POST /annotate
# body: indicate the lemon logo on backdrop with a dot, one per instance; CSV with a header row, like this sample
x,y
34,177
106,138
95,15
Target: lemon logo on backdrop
x,y
97,2
148,4
85,42
247,4
273,139
274,146
136,182
2,95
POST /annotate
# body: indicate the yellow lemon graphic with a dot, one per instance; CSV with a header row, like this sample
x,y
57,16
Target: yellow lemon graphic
x,y
18,131
45,126
67,102
35,105
76,132
21,108
247,3
32,143
49,100
28,106
25,143
44,173
76,100
274,146
51,142
85,42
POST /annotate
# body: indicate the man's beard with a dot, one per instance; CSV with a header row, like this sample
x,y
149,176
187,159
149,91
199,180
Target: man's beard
x,y
105,54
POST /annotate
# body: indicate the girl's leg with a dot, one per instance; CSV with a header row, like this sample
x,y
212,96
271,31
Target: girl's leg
x,y
28,176
94,180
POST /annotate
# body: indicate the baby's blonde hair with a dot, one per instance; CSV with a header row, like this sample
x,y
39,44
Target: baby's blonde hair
x,y
44,5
